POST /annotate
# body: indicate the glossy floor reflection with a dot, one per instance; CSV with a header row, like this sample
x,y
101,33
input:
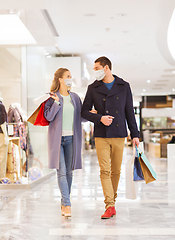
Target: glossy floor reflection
x,y
35,213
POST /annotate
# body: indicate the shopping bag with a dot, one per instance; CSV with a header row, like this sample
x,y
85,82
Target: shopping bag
x,y
37,117
148,172
131,186
34,115
138,174
41,99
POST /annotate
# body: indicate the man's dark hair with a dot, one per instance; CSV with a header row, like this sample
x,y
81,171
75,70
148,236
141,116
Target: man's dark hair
x,y
104,61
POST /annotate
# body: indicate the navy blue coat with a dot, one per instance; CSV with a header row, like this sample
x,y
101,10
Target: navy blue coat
x,y
116,102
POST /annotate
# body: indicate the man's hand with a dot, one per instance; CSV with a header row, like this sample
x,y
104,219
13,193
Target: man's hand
x,y
135,142
93,111
107,120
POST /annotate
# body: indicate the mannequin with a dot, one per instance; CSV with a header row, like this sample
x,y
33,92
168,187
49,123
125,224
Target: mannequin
x,y
3,140
14,114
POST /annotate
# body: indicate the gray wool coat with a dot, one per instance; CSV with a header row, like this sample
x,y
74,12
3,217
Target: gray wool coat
x,y
54,113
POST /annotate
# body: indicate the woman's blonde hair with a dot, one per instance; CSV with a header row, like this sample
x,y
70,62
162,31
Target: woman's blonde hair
x,y
56,83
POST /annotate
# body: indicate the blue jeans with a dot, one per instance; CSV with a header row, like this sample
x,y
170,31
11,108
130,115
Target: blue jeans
x,y
64,172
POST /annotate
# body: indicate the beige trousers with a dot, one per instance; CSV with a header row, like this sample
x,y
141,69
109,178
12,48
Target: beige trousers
x,y
3,156
110,154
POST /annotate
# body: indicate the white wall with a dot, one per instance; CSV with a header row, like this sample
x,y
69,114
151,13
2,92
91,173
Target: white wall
x,y
71,63
10,75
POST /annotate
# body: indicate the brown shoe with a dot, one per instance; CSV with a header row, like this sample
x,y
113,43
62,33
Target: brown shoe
x,y
67,212
62,210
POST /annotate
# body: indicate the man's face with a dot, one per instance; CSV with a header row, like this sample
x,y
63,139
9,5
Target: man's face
x,y
97,66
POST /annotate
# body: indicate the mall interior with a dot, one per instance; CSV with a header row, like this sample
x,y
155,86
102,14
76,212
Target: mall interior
x,y
38,37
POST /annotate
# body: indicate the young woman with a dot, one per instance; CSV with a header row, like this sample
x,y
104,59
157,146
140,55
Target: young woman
x,y
63,111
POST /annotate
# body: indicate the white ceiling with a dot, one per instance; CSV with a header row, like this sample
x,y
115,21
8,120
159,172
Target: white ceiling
x,y
133,34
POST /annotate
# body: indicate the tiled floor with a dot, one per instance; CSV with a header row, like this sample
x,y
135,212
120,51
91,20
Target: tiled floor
x,y
35,213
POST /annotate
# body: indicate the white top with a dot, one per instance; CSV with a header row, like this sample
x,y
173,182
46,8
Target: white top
x,y
68,116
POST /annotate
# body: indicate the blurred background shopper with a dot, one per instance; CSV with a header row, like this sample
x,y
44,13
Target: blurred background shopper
x,y
112,98
63,111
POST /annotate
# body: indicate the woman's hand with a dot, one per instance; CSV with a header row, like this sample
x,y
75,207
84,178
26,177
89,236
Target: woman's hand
x,y
93,111
54,96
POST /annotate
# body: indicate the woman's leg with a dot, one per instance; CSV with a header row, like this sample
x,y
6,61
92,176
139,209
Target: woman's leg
x,y
62,178
68,153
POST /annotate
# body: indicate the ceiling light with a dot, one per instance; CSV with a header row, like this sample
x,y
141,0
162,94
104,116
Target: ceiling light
x,y
46,53
12,11
13,31
97,44
173,72
49,56
121,15
148,81
89,15
173,89
144,90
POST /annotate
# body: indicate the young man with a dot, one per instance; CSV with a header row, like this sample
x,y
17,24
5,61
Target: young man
x,y
112,99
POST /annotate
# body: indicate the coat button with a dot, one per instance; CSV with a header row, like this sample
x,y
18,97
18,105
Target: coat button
x,y
116,112
117,98
104,99
117,125
107,111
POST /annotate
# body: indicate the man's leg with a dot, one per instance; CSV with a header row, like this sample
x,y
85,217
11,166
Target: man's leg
x,y
103,147
117,146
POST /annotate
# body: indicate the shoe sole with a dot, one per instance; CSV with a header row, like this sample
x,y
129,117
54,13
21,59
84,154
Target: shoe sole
x,y
108,217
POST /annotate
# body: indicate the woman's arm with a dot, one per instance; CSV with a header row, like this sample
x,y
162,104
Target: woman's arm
x,y
51,108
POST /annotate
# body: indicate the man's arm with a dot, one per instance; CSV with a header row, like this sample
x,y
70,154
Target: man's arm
x,y
87,107
130,117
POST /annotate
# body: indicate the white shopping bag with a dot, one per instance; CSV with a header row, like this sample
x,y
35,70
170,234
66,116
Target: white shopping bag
x,y
132,187
41,99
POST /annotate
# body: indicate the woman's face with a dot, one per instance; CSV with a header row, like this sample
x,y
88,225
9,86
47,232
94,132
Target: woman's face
x,y
66,79
67,75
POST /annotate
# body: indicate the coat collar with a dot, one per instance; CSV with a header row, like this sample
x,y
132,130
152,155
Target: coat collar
x,y
61,98
116,88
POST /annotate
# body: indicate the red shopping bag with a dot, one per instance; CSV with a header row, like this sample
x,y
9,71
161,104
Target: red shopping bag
x,y
40,119
37,118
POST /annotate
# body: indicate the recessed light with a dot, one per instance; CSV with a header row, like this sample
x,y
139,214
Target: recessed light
x,y
49,56
97,44
156,88
144,90
164,80
173,72
12,11
121,15
173,89
89,15
148,81
46,53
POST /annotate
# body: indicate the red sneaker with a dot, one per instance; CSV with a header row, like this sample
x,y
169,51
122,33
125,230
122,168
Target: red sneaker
x,y
110,212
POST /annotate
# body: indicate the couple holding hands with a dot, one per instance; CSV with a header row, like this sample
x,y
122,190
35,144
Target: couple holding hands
x,y
112,99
